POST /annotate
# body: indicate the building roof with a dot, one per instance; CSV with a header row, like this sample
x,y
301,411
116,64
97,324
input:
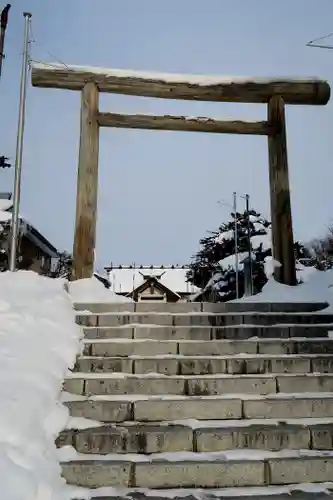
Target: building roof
x,y
38,239
124,279
152,280
29,231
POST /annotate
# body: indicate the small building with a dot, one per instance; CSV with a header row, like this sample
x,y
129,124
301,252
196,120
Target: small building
x,y
35,250
154,283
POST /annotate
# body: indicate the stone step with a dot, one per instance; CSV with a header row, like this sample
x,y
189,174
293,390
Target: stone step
x,y
185,307
205,333
202,319
206,436
141,347
205,365
235,468
147,408
195,385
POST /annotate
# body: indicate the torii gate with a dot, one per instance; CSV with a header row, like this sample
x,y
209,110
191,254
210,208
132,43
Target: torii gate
x,y
274,92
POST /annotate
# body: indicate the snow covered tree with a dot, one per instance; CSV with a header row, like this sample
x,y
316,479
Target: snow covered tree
x,y
322,250
213,268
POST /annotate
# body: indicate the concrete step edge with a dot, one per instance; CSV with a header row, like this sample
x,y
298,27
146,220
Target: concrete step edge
x,y
227,357
204,424
128,398
158,376
252,306
237,455
184,341
323,312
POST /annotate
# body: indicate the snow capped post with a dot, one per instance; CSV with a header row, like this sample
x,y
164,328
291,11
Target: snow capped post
x,y
282,230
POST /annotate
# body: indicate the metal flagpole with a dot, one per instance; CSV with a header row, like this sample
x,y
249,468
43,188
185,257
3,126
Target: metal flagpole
x,y
19,145
236,246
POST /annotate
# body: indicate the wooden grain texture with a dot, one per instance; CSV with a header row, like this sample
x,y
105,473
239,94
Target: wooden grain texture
x,y
87,186
282,231
182,123
302,91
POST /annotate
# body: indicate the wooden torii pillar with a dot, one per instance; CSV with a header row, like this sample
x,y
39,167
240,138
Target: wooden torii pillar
x,y
275,93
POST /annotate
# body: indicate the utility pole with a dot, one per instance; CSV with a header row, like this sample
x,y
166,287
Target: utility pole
x,y
236,246
247,201
3,26
19,145
234,208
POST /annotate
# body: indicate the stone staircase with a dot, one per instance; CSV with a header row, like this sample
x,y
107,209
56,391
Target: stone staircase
x,y
201,396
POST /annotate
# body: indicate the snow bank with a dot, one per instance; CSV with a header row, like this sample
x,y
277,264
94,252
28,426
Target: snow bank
x,y
317,286
38,343
91,290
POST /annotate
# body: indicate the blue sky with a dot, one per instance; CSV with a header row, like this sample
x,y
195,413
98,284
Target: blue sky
x,y
158,191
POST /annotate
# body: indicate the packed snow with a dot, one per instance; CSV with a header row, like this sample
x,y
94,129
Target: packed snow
x,y
256,492
316,286
91,290
39,340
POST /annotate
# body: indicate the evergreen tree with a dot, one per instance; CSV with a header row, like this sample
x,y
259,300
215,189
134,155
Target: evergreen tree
x,y
322,251
213,268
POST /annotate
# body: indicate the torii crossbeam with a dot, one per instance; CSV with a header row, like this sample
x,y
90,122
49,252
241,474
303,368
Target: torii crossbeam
x,y
275,92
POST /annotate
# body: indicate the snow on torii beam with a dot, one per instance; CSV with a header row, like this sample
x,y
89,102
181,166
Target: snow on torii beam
x,y
178,86
275,92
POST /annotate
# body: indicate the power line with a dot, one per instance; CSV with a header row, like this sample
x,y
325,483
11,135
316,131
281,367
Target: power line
x,y
313,44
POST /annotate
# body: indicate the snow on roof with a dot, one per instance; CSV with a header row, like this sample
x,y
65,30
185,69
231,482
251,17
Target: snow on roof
x,y
5,204
125,278
28,229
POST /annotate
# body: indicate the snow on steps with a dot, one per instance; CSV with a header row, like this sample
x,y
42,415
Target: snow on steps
x,y
144,382
206,333
140,347
303,491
